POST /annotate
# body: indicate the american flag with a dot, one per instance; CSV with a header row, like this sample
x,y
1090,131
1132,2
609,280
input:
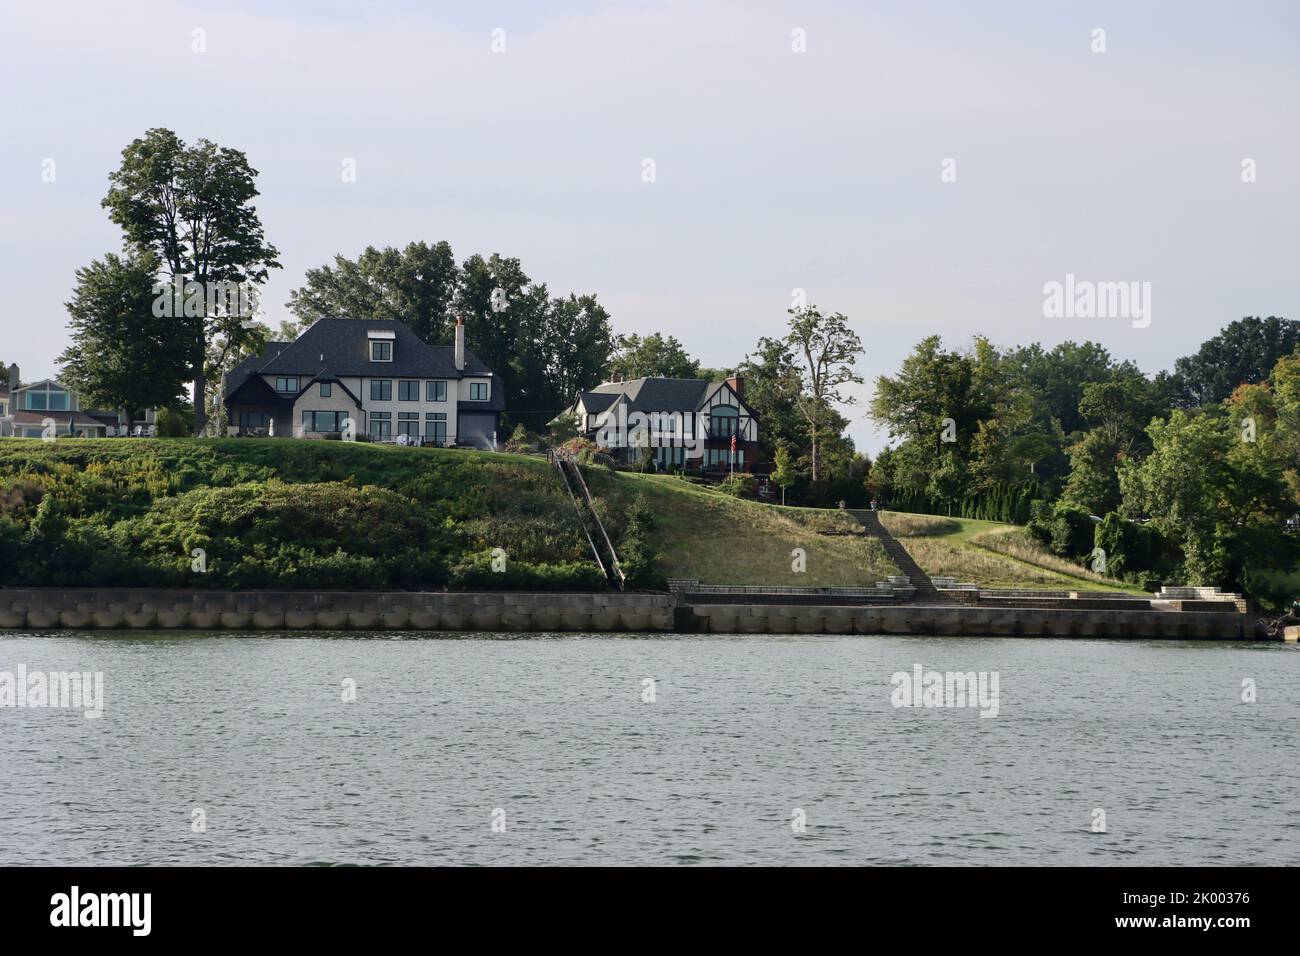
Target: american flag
x,y
733,444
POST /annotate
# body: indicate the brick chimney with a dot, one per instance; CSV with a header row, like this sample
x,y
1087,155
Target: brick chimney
x,y
737,385
615,378
460,343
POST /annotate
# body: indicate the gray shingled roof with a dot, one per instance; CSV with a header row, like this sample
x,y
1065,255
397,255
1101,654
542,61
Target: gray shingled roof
x,y
653,394
346,348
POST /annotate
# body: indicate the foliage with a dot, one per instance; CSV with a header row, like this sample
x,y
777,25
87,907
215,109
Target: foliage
x,y
1244,352
739,486
192,207
653,355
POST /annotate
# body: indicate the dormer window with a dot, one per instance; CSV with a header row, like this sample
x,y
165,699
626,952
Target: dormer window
x,y
381,345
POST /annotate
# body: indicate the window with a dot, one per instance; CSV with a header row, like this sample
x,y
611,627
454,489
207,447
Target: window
x,y
478,391
286,383
58,401
408,391
723,420
381,424
323,421
381,389
253,420
36,401
381,351
408,423
435,392
326,389
435,427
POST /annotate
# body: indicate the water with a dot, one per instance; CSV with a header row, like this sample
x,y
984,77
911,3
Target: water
x,y
743,732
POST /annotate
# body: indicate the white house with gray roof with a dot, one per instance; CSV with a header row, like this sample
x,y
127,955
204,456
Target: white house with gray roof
x,y
683,422
377,374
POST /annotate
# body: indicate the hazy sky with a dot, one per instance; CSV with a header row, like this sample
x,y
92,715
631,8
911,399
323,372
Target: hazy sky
x,y
775,169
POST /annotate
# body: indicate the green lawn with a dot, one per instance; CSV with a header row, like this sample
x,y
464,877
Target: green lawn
x,y
995,555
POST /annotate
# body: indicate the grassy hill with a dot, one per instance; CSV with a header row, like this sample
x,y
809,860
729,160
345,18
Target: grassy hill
x,y
990,554
291,513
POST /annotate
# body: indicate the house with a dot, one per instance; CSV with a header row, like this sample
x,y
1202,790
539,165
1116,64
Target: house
x,y
680,422
26,407
377,375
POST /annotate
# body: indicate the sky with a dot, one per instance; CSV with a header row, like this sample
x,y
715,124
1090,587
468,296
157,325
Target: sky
x,y
920,167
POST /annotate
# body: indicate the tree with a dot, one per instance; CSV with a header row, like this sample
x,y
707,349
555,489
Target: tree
x,y
653,355
825,351
122,355
784,474
1243,352
416,285
192,206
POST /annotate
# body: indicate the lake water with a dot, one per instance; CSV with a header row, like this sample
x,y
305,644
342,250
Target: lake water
x,y
553,740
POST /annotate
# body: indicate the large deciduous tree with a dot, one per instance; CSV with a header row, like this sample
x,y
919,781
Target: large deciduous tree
x,y
122,355
825,350
652,355
416,285
192,206
1244,352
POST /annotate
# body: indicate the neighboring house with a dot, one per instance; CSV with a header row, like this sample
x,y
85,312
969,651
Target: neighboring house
x,y
692,421
25,407
379,374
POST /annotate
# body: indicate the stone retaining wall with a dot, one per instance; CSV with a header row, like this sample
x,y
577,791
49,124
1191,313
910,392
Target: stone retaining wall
x,y
965,621
333,610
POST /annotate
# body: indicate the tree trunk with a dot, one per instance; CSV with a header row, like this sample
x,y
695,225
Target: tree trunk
x,y
200,403
813,433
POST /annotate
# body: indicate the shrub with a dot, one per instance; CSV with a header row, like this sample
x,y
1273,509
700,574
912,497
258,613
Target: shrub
x,y
739,486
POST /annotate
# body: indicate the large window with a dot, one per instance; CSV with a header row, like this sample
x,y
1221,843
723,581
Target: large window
x,y
478,391
408,391
408,423
249,421
723,420
381,424
323,422
381,351
381,389
48,397
435,392
286,383
435,427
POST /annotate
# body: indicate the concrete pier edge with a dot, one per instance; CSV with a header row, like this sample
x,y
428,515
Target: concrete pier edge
x,y
613,612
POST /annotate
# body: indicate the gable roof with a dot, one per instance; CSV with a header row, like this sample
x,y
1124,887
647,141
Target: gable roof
x,y
344,343
652,394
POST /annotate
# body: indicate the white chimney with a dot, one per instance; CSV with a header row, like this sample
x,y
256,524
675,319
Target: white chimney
x,y
460,343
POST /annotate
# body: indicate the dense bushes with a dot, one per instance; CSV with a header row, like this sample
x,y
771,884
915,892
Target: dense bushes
x,y
1007,502
286,514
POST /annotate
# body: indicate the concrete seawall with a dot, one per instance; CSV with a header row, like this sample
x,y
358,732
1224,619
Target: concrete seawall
x,y
147,609
109,608
924,619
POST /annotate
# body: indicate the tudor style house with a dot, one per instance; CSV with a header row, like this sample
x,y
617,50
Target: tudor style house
x,y
379,374
27,407
692,421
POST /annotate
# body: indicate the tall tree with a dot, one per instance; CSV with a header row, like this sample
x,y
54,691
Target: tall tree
x,y
122,355
653,355
1244,352
192,206
825,351
416,285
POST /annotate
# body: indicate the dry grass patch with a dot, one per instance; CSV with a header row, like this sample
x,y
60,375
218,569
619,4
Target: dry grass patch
x,y
901,524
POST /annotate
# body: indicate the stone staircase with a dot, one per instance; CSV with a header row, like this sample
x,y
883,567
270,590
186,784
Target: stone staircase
x,y
926,592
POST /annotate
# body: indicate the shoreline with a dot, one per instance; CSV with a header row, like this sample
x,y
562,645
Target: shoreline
x,y
612,612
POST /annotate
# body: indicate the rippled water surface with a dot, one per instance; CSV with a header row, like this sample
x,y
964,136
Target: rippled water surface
x,y
741,735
